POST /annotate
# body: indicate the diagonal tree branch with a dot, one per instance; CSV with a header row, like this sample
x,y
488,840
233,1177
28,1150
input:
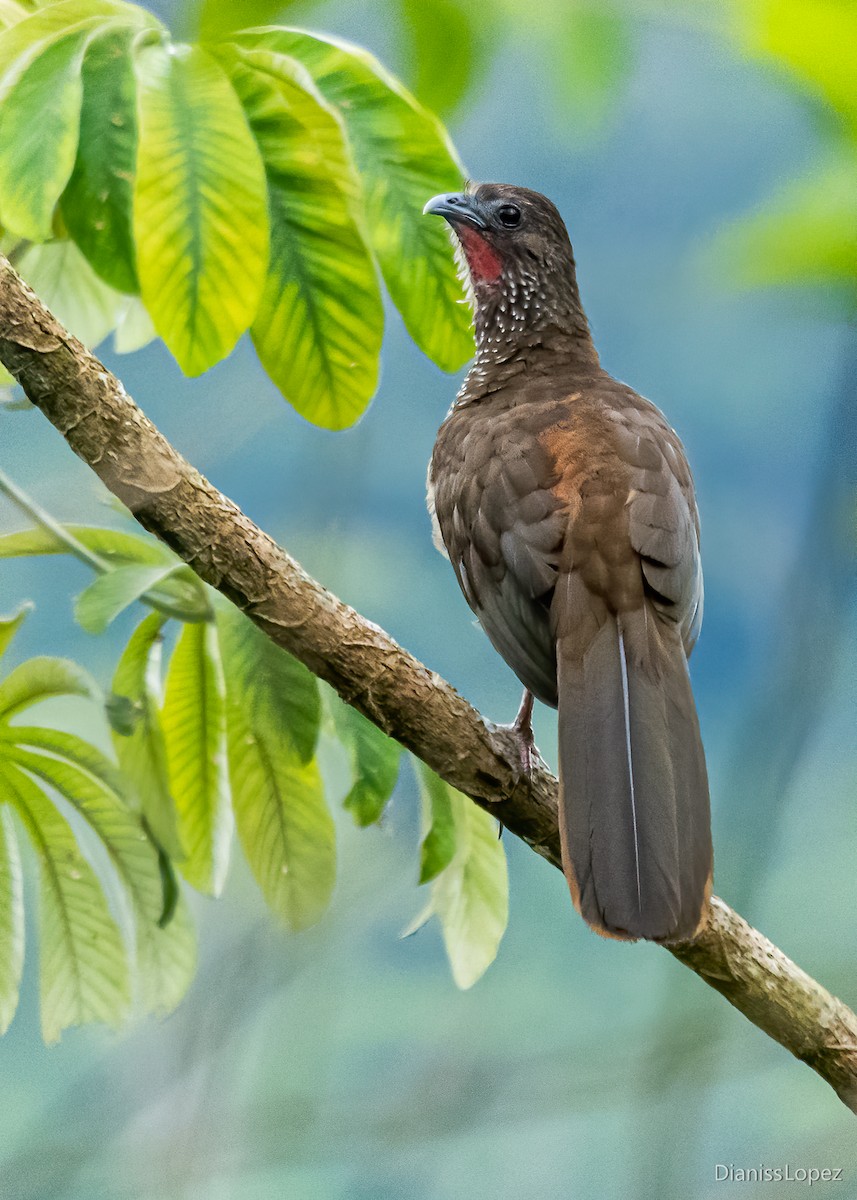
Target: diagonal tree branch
x,y
100,422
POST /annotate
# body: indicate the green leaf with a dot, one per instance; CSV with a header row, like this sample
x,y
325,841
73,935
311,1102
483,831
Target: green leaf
x,y
471,896
97,202
11,12
171,893
218,17
11,920
165,958
276,690
422,918
23,42
447,41
122,714
172,963
84,969
816,40
110,594
590,53
194,723
200,209
168,961
375,762
113,545
39,119
135,329
178,593
69,746
806,235
39,679
142,755
437,848
404,157
67,285
40,98
320,322
9,626
273,718
283,822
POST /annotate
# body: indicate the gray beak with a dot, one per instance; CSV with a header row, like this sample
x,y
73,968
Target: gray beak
x,y
457,208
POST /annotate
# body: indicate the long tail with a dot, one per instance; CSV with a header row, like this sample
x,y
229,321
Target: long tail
x,y
634,807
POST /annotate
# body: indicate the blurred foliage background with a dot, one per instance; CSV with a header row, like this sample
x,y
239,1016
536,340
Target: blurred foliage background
x,y
703,155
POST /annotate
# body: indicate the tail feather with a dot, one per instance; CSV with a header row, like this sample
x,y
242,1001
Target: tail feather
x,y
634,811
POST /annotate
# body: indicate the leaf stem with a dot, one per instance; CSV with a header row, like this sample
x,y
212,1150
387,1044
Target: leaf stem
x,y
46,521
154,598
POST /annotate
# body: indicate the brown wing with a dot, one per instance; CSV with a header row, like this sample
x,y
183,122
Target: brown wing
x,y
663,519
502,529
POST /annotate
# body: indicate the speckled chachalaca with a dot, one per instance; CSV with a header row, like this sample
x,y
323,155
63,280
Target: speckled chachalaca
x,y
565,503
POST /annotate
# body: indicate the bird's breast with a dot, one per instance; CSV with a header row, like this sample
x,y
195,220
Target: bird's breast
x,y
533,488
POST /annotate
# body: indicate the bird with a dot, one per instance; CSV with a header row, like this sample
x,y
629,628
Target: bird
x,y
566,506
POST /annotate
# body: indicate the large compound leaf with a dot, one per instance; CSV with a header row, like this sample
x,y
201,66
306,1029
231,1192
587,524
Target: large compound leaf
x,y
195,234
194,723
97,203
165,957
320,322
274,688
404,158
84,968
200,209
142,753
470,897
375,762
11,919
284,824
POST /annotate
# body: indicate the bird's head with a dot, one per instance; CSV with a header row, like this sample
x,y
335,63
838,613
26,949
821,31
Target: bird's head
x,y
505,229
517,258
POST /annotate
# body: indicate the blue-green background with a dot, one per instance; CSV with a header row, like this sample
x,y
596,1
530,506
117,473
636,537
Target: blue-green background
x,y
342,1063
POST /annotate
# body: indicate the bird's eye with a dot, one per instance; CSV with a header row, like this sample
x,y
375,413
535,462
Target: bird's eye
x,y
509,215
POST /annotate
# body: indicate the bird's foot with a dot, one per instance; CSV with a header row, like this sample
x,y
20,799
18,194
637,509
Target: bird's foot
x,y
522,727
522,730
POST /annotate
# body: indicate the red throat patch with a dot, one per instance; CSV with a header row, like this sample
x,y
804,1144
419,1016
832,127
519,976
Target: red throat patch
x,y
484,262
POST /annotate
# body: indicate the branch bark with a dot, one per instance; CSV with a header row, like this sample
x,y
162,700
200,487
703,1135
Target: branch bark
x,y
100,422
